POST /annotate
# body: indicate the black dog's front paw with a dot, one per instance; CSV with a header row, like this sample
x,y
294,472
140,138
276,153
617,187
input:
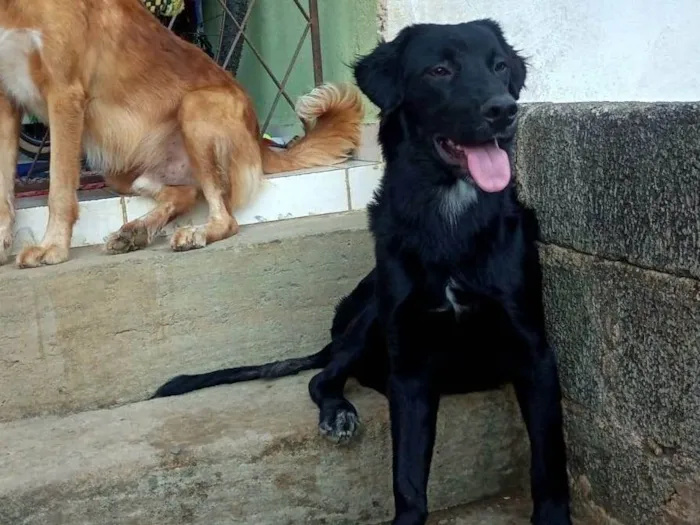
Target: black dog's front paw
x,y
552,513
339,423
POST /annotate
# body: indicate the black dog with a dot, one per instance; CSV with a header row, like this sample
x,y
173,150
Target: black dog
x,y
454,302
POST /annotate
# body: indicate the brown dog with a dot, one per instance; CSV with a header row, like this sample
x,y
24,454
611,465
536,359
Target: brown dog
x,y
150,111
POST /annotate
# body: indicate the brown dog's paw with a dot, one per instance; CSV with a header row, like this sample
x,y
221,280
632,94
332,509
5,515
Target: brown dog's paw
x,y
189,238
130,237
34,256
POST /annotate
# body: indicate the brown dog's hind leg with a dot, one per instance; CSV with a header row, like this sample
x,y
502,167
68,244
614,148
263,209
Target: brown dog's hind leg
x,y
225,158
66,114
173,201
9,137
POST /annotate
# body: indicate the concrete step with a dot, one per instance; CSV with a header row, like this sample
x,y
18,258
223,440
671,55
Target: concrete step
x,y
496,511
244,454
99,331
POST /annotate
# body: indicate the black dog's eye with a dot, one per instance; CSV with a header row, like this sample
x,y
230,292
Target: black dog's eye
x,y
500,66
440,71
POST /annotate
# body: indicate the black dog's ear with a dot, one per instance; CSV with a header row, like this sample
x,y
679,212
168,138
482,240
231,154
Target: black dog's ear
x,y
378,75
518,66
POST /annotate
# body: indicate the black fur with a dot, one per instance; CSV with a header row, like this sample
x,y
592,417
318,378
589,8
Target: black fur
x,y
454,302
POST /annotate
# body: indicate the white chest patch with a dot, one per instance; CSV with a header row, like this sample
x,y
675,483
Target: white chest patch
x,y
450,289
16,47
457,198
451,302
450,295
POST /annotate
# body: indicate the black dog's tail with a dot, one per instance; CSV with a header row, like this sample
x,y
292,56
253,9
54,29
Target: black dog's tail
x,y
187,383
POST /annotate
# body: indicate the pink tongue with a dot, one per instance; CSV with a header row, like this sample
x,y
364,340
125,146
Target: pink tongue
x,y
489,167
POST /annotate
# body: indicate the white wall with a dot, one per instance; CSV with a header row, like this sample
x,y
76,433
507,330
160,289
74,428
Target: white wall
x,y
585,50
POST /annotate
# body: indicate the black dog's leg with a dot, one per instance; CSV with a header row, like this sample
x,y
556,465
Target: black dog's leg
x,y
413,395
414,400
539,396
413,404
338,419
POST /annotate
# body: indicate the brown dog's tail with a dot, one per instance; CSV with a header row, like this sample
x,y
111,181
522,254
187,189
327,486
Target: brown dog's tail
x,y
332,115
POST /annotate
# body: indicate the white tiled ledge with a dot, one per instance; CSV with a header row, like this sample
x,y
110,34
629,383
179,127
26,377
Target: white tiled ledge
x,y
345,187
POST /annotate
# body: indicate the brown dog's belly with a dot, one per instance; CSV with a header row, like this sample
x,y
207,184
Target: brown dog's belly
x,y
135,156
174,169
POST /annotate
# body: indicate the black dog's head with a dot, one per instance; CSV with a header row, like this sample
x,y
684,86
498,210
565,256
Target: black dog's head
x,y
456,87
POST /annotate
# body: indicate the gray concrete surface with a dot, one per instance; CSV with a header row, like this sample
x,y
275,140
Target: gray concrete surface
x,y
617,180
500,511
504,510
243,454
99,330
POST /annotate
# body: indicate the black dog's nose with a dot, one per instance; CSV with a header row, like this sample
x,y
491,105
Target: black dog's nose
x,y
501,109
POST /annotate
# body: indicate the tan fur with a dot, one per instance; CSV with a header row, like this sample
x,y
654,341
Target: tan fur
x,y
152,112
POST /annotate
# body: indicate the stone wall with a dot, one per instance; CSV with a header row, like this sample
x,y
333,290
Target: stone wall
x,y
617,192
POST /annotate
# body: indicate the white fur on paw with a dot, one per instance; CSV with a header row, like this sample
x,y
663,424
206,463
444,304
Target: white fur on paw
x,y
39,255
341,428
189,238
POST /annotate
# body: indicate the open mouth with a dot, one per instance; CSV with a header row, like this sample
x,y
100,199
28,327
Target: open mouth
x,y
487,164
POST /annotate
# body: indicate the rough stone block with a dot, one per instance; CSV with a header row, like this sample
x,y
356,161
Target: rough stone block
x,y
616,180
628,341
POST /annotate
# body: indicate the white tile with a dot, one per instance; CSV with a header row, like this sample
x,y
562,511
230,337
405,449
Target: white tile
x,y
198,215
369,146
30,225
98,218
305,171
282,197
139,206
353,163
285,197
363,180
298,196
